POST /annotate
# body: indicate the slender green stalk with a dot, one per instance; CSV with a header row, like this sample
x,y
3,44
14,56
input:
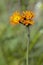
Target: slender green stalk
x,y
27,55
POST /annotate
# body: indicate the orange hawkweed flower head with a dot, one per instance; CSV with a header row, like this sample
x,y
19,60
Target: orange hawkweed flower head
x,y
15,18
27,17
28,14
28,22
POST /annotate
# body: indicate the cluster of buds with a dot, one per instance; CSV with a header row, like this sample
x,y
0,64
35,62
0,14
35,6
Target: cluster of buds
x,y
26,18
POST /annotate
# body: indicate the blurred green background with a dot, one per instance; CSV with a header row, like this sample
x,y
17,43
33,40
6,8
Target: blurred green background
x,y
14,39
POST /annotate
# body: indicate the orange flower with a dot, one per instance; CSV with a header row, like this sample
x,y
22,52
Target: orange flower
x,y
28,14
28,22
27,17
15,18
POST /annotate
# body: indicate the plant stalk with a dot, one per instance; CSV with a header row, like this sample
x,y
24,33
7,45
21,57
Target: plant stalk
x,y
27,55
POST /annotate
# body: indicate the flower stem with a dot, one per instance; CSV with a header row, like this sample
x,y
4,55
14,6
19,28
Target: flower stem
x,y
27,55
